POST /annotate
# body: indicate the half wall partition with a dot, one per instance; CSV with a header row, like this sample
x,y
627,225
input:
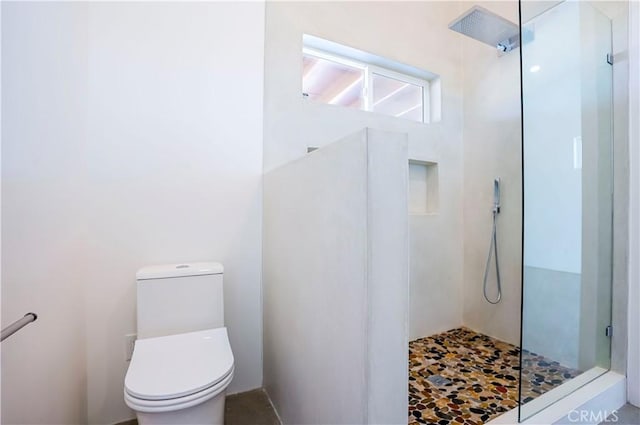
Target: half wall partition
x,y
335,282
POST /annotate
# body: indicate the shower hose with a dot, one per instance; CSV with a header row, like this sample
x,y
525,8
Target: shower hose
x,y
493,249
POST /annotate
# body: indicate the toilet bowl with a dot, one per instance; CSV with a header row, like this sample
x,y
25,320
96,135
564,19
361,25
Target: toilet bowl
x,y
180,379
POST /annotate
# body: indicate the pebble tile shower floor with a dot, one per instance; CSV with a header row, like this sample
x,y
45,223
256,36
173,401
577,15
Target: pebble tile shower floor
x,y
463,377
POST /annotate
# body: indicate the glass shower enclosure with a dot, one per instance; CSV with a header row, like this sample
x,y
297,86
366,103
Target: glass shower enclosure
x,y
568,192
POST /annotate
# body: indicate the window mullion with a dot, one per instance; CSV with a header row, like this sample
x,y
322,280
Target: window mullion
x,y
368,89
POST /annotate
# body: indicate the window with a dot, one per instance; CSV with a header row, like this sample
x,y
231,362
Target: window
x,y
398,97
333,80
355,79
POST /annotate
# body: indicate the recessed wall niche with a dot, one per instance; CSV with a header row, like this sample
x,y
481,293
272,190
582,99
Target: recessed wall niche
x,y
423,187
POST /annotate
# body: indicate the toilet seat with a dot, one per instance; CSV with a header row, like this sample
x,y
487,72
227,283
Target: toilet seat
x,y
178,371
159,406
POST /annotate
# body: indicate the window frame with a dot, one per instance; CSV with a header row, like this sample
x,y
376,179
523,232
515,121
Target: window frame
x,y
368,70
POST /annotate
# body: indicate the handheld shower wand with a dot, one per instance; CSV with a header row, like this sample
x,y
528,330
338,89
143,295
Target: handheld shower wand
x,y
496,195
493,246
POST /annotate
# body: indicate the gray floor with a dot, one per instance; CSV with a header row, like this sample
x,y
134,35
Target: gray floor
x,y
250,408
626,415
254,408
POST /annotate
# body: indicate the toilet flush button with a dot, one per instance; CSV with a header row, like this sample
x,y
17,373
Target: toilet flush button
x,y
182,266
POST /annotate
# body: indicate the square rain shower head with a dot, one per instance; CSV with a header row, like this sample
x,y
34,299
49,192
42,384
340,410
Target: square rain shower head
x,y
487,27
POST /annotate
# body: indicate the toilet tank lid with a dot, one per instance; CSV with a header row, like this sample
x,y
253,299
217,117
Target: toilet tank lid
x,y
179,270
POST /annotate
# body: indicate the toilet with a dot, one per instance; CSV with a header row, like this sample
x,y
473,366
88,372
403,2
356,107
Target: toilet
x,y
182,362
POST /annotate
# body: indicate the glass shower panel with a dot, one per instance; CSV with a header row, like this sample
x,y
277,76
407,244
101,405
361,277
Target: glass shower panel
x,y
567,144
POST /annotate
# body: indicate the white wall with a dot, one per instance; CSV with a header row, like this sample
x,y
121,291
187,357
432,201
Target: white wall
x,y
175,155
314,285
336,283
292,124
136,139
492,148
0,200
43,215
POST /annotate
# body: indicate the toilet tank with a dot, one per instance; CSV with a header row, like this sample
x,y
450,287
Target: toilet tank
x,y
179,298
